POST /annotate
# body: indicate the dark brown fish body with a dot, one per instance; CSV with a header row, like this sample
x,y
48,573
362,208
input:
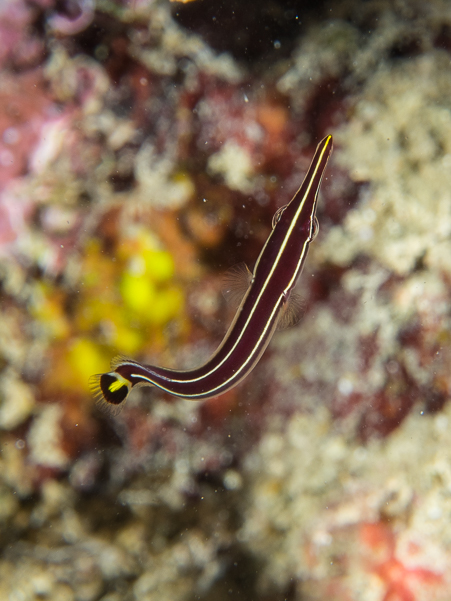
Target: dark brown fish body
x,y
275,274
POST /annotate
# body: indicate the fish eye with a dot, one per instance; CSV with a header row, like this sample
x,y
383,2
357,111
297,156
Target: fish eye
x,y
315,228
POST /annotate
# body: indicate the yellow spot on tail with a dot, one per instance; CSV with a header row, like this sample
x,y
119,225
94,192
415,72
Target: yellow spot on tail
x,y
116,386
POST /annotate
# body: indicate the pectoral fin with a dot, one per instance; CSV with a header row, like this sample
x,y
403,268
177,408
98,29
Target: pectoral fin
x,y
292,312
235,284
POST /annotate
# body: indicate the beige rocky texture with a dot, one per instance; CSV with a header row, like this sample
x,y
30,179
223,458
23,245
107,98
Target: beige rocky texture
x,y
313,490
358,38
349,354
399,140
91,548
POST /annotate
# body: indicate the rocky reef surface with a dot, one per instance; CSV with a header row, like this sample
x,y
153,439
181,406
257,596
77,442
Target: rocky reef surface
x,y
144,148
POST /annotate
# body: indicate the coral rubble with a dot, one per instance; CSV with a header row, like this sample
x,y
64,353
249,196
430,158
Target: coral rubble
x,y
144,149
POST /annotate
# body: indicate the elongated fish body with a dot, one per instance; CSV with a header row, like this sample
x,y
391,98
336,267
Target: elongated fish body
x,y
265,302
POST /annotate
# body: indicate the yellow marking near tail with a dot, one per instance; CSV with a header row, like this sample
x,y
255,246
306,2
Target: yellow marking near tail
x,y
114,386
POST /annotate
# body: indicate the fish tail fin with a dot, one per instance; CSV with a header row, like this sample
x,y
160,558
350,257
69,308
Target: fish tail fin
x,y
110,391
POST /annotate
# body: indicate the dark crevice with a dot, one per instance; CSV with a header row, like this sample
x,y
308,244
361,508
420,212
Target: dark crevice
x,y
249,30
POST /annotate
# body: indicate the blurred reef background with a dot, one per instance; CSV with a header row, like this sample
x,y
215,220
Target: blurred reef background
x,y
144,148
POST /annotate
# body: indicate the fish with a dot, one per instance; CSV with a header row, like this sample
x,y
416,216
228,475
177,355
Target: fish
x,y
268,303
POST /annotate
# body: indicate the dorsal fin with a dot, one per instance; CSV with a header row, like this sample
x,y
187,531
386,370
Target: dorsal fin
x,y
235,283
118,359
292,311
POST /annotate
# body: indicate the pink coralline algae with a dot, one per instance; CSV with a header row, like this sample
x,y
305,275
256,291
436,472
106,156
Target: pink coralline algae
x,y
14,217
71,25
20,44
21,123
21,120
400,581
